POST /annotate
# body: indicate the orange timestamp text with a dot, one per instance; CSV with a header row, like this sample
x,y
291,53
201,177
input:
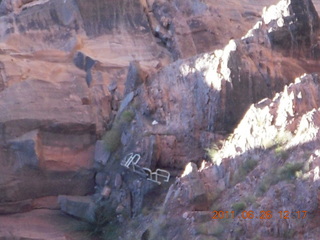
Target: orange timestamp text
x,y
259,215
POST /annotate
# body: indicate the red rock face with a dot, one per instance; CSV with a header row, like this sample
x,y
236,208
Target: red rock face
x,y
50,118
217,88
106,17
166,77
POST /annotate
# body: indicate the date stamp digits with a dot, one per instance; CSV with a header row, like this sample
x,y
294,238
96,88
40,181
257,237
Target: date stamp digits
x,y
259,215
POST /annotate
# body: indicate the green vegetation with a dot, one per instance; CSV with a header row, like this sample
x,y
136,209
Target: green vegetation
x,y
279,140
281,153
287,172
127,116
249,200
136,103
240,174
213,153
112,138
283,138
238,207
217,230
278,144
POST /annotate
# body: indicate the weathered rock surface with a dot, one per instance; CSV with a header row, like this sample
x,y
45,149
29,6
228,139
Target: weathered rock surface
x,y
39,224
72,69
192,196
192,27
292,133
291,25
267,160
54,96
272,166
217,88
32,183
82,207
26,149
290,111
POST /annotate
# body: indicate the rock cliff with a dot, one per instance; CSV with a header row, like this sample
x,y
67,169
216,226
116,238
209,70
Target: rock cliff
x,y
84,83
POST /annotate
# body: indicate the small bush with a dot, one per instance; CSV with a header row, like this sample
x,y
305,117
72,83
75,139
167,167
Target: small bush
x,y
263,187
238,207
112,139
249,164
127,116
269,179
241,173
280,139
287,172
281,153
249,200
283,138
213,153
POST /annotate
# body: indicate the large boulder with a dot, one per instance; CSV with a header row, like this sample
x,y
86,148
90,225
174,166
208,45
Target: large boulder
x,y
291,25
188,192
78,206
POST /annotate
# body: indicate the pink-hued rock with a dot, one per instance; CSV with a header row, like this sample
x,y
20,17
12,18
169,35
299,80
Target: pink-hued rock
x,y
169,77
211,92
50,202
284,175
40,224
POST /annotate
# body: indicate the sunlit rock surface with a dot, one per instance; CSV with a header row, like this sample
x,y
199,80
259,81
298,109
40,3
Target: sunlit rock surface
x,y
216,89
262,167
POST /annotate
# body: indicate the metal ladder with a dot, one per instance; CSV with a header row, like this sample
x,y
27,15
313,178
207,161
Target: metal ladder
x,y
131,162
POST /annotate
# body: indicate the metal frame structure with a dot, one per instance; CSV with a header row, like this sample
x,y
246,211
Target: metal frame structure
x,y
131,162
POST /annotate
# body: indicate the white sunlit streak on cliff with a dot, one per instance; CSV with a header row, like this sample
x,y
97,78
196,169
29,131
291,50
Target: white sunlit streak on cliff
x,y
213,66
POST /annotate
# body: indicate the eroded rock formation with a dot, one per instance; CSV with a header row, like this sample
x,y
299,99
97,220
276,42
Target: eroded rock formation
x,y
262,167
217,88
84,83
